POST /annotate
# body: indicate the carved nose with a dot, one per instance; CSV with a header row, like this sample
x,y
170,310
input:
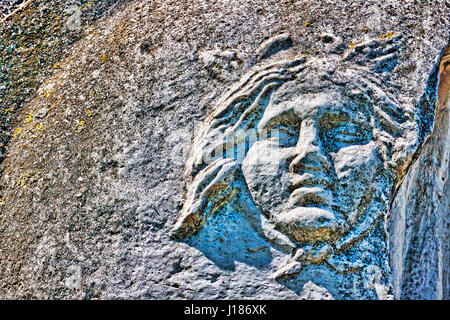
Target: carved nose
x,y
308,154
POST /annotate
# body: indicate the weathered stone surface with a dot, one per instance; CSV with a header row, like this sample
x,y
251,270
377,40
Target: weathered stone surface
x,y
8,6
94,178
35,36
420,213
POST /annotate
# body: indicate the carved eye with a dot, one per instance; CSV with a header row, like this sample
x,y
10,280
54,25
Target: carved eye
x,y
348,133
286,135
283,129
338,131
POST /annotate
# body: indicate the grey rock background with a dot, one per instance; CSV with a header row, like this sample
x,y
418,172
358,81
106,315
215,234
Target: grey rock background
x,y
420,249
89,197
8,6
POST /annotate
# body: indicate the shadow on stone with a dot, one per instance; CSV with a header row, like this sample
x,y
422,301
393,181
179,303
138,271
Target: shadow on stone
x,y
227,238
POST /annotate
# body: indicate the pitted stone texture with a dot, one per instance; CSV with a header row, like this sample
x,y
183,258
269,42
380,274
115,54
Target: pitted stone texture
x,y
8,6
420,221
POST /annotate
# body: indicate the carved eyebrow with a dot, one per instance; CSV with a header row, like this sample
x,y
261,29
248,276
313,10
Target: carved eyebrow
x,y
285,117
348,132
330,120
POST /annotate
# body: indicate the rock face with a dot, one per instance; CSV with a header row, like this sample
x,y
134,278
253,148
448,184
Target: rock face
x,y
35,36
229,150
419,216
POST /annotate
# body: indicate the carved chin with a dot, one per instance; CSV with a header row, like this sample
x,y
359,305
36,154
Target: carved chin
x,y
307,225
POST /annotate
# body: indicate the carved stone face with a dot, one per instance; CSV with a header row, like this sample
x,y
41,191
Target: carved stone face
x,y
317,177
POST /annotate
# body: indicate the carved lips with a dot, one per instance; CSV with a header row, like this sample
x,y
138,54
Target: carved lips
x,y
310,191
309,196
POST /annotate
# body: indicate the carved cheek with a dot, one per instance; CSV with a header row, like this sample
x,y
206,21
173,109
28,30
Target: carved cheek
x,y
264,169
355,159
355,167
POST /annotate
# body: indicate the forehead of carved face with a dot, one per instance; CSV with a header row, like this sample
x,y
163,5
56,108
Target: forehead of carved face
x,y
314,167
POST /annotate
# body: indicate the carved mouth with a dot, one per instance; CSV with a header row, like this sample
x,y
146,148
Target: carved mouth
x,y
310,180
309,196
309,218
309,190
308,225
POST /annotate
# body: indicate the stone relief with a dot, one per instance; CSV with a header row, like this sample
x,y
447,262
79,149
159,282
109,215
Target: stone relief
x,y
309,152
